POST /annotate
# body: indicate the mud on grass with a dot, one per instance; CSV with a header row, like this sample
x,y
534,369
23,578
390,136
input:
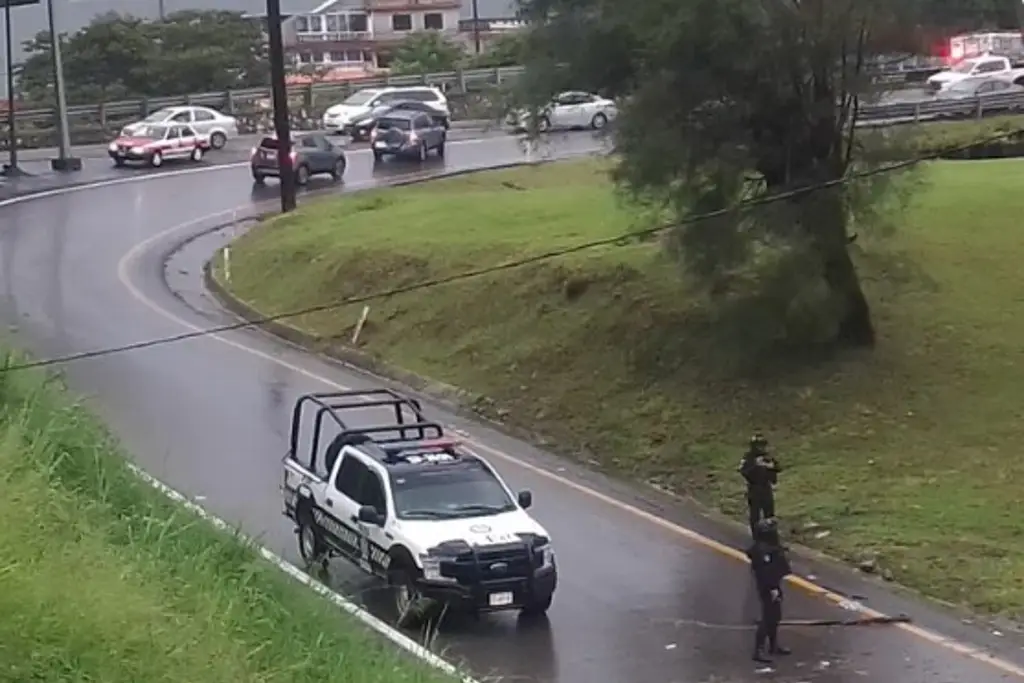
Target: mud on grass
x,y
103,580
907,453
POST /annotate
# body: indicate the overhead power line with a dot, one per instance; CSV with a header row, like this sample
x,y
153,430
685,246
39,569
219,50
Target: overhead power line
x,y
633,235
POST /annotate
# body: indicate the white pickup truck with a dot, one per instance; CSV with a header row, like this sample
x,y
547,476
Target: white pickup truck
x,y
402,502
982,67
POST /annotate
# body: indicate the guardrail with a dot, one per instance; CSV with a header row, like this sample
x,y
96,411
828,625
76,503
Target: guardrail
x,y
938,109
96,122
229,101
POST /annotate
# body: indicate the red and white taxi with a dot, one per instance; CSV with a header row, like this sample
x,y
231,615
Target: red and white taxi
x,y
156,143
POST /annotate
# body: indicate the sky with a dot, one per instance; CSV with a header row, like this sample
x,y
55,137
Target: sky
x,y
73,14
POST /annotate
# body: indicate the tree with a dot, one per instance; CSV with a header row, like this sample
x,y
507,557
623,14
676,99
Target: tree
x,y
724,101
118,57
426,52
506,50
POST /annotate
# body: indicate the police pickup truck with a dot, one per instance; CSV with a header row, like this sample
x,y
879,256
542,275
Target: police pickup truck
x,y
405,503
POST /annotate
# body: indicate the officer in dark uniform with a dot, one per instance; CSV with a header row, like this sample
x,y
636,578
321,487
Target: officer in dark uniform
x,y
761,472
770,566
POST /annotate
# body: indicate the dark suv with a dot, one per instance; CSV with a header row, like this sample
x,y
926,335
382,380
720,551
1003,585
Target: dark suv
x,y
360,127
312,154
407,134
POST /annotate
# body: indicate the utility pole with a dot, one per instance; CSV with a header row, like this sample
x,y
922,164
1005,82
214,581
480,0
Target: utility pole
x,y
11,170
280,93
64,160
476,25
162,9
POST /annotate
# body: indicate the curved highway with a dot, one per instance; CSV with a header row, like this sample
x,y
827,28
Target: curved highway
x,y
650,590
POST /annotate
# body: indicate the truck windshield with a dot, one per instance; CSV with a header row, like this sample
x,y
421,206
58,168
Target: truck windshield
x,y
964,67
448,492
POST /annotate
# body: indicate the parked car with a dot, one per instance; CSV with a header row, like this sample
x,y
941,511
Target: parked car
x,y
407,134
217,126
359,128
360,103
159,142
311,154
572,109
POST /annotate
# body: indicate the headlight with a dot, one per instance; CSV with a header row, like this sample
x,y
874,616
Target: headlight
x,y
136,150
432,569
113,147
547,556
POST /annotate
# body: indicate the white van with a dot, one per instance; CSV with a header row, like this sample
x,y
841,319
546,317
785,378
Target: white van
x,y
361,102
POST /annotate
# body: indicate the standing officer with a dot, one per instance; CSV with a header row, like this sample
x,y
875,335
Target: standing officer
x,y
770,566
761,473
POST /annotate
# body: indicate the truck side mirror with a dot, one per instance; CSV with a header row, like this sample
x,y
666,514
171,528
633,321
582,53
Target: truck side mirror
x,y
525,499
369,515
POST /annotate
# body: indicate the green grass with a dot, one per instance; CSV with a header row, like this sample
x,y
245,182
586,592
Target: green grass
x,y
103,580
910,452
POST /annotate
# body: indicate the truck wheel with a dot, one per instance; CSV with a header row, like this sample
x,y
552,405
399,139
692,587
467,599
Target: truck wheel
x,y
218,140
156,160
311,544
537,606
411,608
440,149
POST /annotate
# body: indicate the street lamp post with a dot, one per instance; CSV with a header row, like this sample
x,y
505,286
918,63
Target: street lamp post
x,y
11,169
64,160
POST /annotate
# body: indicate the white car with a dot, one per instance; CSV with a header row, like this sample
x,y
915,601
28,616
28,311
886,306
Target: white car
x,y
408,505
339,116
977,68
217,126
571,109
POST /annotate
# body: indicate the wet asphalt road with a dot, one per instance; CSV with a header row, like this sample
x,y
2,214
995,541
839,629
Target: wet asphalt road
x,y
638,600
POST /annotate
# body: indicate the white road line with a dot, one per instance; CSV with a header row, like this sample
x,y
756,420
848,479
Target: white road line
x,y
392,634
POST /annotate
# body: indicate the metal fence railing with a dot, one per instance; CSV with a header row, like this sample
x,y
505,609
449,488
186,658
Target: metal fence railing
x,y
225,100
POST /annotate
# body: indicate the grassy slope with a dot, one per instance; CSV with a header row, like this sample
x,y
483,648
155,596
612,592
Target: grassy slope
x,y
909,452
103,580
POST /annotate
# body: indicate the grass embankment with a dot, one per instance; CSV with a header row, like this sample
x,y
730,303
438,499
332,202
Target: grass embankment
x,y
910,452
102,579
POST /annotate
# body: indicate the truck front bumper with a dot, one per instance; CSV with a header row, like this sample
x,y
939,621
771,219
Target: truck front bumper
x,y
495,596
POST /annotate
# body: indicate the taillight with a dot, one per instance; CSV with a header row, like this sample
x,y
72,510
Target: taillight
x,y
373,133
252,153
294,157
413,137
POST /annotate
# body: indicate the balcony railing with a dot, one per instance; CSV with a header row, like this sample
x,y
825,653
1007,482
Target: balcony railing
x,y
331,36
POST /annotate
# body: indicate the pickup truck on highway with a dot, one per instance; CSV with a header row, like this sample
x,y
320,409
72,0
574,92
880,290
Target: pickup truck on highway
x,y
408,505
985,67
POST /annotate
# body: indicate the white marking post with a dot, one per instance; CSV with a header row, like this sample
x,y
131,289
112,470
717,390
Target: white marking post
x,y
359,325
227,264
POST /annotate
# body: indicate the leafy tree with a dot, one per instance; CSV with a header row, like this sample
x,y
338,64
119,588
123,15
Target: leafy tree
x,y
426,52
506,50
729,100
118,57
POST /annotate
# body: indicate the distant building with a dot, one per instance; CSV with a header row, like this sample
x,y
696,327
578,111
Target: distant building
x,y
355,37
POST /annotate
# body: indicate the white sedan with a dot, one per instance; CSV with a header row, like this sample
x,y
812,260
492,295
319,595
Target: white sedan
x,y
572,109
218,127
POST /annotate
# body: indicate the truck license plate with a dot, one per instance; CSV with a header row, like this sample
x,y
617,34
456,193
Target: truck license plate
x,y
500,599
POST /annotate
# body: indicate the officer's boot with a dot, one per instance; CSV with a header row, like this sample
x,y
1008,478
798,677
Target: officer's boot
x,y
760,647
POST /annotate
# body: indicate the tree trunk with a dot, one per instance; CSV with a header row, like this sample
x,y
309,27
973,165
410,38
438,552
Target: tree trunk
x,y
825,210
855,326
